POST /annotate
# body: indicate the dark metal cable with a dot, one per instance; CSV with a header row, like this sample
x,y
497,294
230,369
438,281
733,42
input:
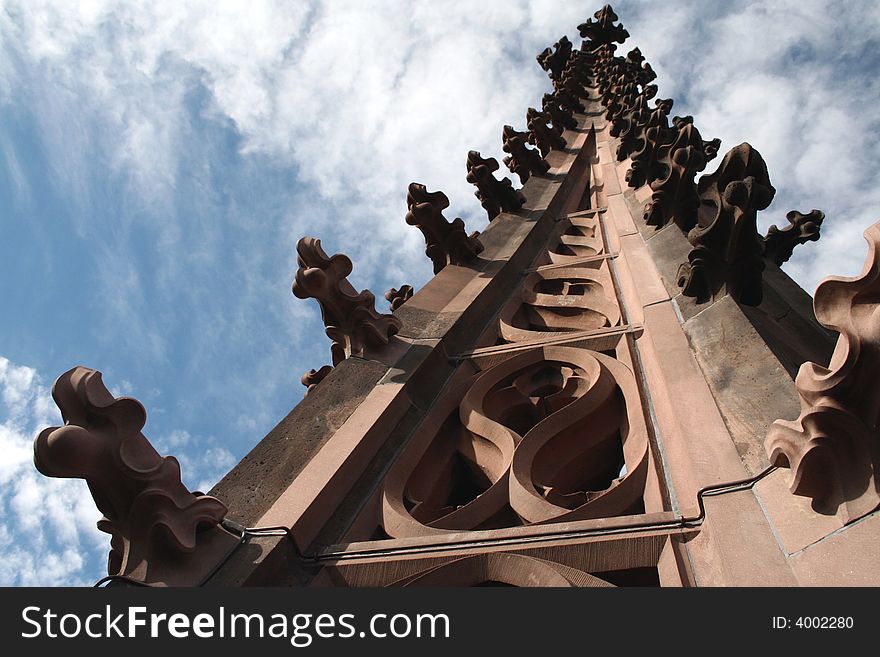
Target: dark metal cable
x,y
677,523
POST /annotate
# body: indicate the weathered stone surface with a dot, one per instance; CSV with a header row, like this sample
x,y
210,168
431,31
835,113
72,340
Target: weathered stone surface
x,y
253,485
495,195
350,316
833,448
728,252
446,243
802,228
160,531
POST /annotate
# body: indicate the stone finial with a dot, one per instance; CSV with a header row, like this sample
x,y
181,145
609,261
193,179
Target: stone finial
x,y
496,196
675,196
803,228
543,136
728,252
161,533
399,297
833,448
603,30
522,160
350,316
446,243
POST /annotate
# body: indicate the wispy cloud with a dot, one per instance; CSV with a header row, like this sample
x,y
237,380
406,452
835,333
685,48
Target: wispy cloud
x,y
47,526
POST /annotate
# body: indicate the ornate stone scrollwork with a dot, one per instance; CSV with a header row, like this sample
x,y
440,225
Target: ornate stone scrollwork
x,y
350,317
580,237
446,243
522,160
161,533
603,30
399,297
543,136
675,196
496,196
728,252
560,300
621,100
802,228
833,448
549,435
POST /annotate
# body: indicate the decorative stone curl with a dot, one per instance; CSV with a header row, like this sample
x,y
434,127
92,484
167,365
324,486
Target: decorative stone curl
x,y
161,533
496,196
313,377
833,448
399,297
803,228
350,317
446,243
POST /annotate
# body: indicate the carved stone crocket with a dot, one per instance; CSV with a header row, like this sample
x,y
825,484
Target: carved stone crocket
x,y
727,253
496,196
161,533
350,317
522,160
779,244
446,243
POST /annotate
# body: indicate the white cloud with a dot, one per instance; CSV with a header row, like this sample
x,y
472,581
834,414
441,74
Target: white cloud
x,y
47,526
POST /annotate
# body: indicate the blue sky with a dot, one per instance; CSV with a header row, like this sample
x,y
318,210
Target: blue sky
x,y
158,162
